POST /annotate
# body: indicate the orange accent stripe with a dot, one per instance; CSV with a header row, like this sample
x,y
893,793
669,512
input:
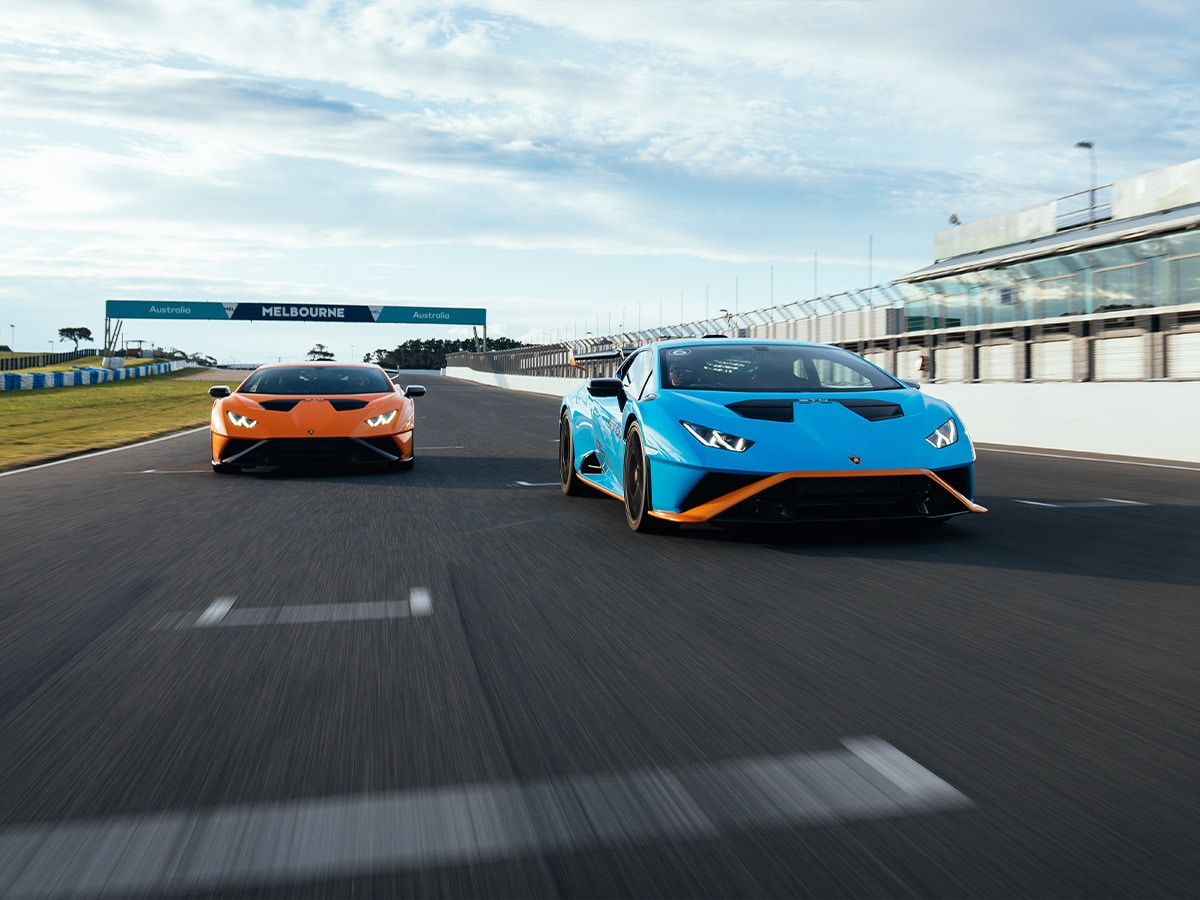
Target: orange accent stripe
x,y
706,511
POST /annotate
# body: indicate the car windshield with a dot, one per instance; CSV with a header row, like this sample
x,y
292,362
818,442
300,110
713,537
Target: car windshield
x,y
311,380
769,368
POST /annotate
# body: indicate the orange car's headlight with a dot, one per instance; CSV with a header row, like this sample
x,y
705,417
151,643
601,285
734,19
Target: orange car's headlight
x,y
382,419
239,420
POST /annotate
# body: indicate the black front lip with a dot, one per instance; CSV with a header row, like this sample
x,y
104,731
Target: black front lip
x,y
279,452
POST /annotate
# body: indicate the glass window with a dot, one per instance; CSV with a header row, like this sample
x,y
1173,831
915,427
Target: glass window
x,y
958,309
314,380
768,368
1002,304
1121,288
635,372
1062,296
1185,276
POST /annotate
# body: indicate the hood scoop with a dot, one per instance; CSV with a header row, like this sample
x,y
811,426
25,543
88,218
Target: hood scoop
x,y
288,405
874,410
781,410
278,405
784,408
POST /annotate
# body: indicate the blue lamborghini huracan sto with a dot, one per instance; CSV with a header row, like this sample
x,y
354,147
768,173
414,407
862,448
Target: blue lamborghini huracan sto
x,y
726,430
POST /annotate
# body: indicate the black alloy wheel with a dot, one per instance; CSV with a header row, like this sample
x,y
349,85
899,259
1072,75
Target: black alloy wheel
x,y
568,476
637,486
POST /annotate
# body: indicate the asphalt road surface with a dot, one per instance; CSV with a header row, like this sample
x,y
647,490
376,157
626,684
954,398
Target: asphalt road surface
x,y
456,682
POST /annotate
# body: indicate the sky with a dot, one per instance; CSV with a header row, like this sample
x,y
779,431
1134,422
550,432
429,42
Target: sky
x,y
571,167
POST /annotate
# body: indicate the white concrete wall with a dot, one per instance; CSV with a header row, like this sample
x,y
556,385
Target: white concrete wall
x,y
1154,420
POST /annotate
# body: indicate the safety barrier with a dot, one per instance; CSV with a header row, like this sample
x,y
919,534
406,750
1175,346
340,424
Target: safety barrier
x,y
25,381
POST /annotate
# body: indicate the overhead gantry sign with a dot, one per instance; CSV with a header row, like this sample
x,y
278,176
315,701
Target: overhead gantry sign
x,y
286,312
294,312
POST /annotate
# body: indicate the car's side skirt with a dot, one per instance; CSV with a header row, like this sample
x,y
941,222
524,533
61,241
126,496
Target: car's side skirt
x,y
712,508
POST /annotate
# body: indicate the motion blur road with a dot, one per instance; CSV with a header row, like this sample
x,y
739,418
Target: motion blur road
x,y
456,682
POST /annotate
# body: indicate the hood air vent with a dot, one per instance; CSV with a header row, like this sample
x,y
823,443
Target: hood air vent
x,y
784,409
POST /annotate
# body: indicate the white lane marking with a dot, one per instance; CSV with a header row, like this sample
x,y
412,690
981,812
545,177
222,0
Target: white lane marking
x,y
454,447
1102,503
290,841
915,780
420,601
221,613
59,462
538,484
1100,459
216,612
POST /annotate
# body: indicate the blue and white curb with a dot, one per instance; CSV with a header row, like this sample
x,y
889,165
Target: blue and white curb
x,y
26,381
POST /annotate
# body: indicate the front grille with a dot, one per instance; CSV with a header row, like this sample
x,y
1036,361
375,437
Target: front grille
x,y
311,452
832,498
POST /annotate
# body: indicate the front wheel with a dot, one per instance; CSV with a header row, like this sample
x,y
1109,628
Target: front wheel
x,y
568,475
637,486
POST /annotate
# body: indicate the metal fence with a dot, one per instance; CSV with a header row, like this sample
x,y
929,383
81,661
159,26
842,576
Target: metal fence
x,y
1160,344
40,360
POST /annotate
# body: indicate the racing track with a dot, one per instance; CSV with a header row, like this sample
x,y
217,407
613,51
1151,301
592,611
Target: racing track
x,y
457,682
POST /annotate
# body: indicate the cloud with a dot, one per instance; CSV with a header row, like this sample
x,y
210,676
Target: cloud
x,y
253,146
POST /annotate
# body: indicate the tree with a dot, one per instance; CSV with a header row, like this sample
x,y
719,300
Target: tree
x,y
320,352
75,334
430,353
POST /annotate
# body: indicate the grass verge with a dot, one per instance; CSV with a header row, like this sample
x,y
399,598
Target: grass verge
x,y
54,423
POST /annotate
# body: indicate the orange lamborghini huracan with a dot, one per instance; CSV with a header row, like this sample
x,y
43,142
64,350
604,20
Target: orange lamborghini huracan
x,y
313,414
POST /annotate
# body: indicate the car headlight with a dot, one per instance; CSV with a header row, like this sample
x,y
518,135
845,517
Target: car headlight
x,y
946,434
718,440
382,419
239,420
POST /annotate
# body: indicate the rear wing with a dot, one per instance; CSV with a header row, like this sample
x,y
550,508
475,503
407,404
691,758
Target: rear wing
x,y
578,360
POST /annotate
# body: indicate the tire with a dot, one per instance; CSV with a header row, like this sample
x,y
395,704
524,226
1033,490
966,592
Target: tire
x,y
568,475
637,487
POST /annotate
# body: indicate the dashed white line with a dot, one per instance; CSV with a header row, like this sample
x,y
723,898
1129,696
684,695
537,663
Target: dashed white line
x,y
1102,503
221,613
420,601
288,841
216,612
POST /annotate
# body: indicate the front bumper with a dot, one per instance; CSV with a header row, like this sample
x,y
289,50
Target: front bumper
x,y
840,496
287,452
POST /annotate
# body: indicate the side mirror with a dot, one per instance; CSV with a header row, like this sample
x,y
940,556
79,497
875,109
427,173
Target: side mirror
x,y
911,384
605,387
219,390
414,390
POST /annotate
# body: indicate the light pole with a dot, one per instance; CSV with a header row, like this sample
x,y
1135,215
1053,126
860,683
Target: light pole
x,y
1090,148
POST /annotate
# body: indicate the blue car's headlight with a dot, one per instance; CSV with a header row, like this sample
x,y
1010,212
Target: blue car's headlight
x,y
718,440
239,420
946,434
382,419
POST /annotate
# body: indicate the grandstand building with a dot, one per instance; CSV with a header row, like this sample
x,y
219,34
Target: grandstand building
x,y
1101,285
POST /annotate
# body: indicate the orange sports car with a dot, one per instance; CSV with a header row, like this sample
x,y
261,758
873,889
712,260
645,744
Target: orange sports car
x,y
313,414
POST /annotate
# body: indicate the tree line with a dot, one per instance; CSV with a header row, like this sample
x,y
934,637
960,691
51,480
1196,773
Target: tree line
x,y
431,353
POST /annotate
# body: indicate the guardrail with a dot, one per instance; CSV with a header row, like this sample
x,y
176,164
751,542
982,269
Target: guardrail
x,y
1160,344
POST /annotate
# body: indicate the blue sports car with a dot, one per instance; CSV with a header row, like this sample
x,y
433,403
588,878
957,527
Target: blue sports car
x,y
743,430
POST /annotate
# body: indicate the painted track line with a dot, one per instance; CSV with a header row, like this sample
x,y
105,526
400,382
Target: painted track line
x,y
289,841
71,459
1078,457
